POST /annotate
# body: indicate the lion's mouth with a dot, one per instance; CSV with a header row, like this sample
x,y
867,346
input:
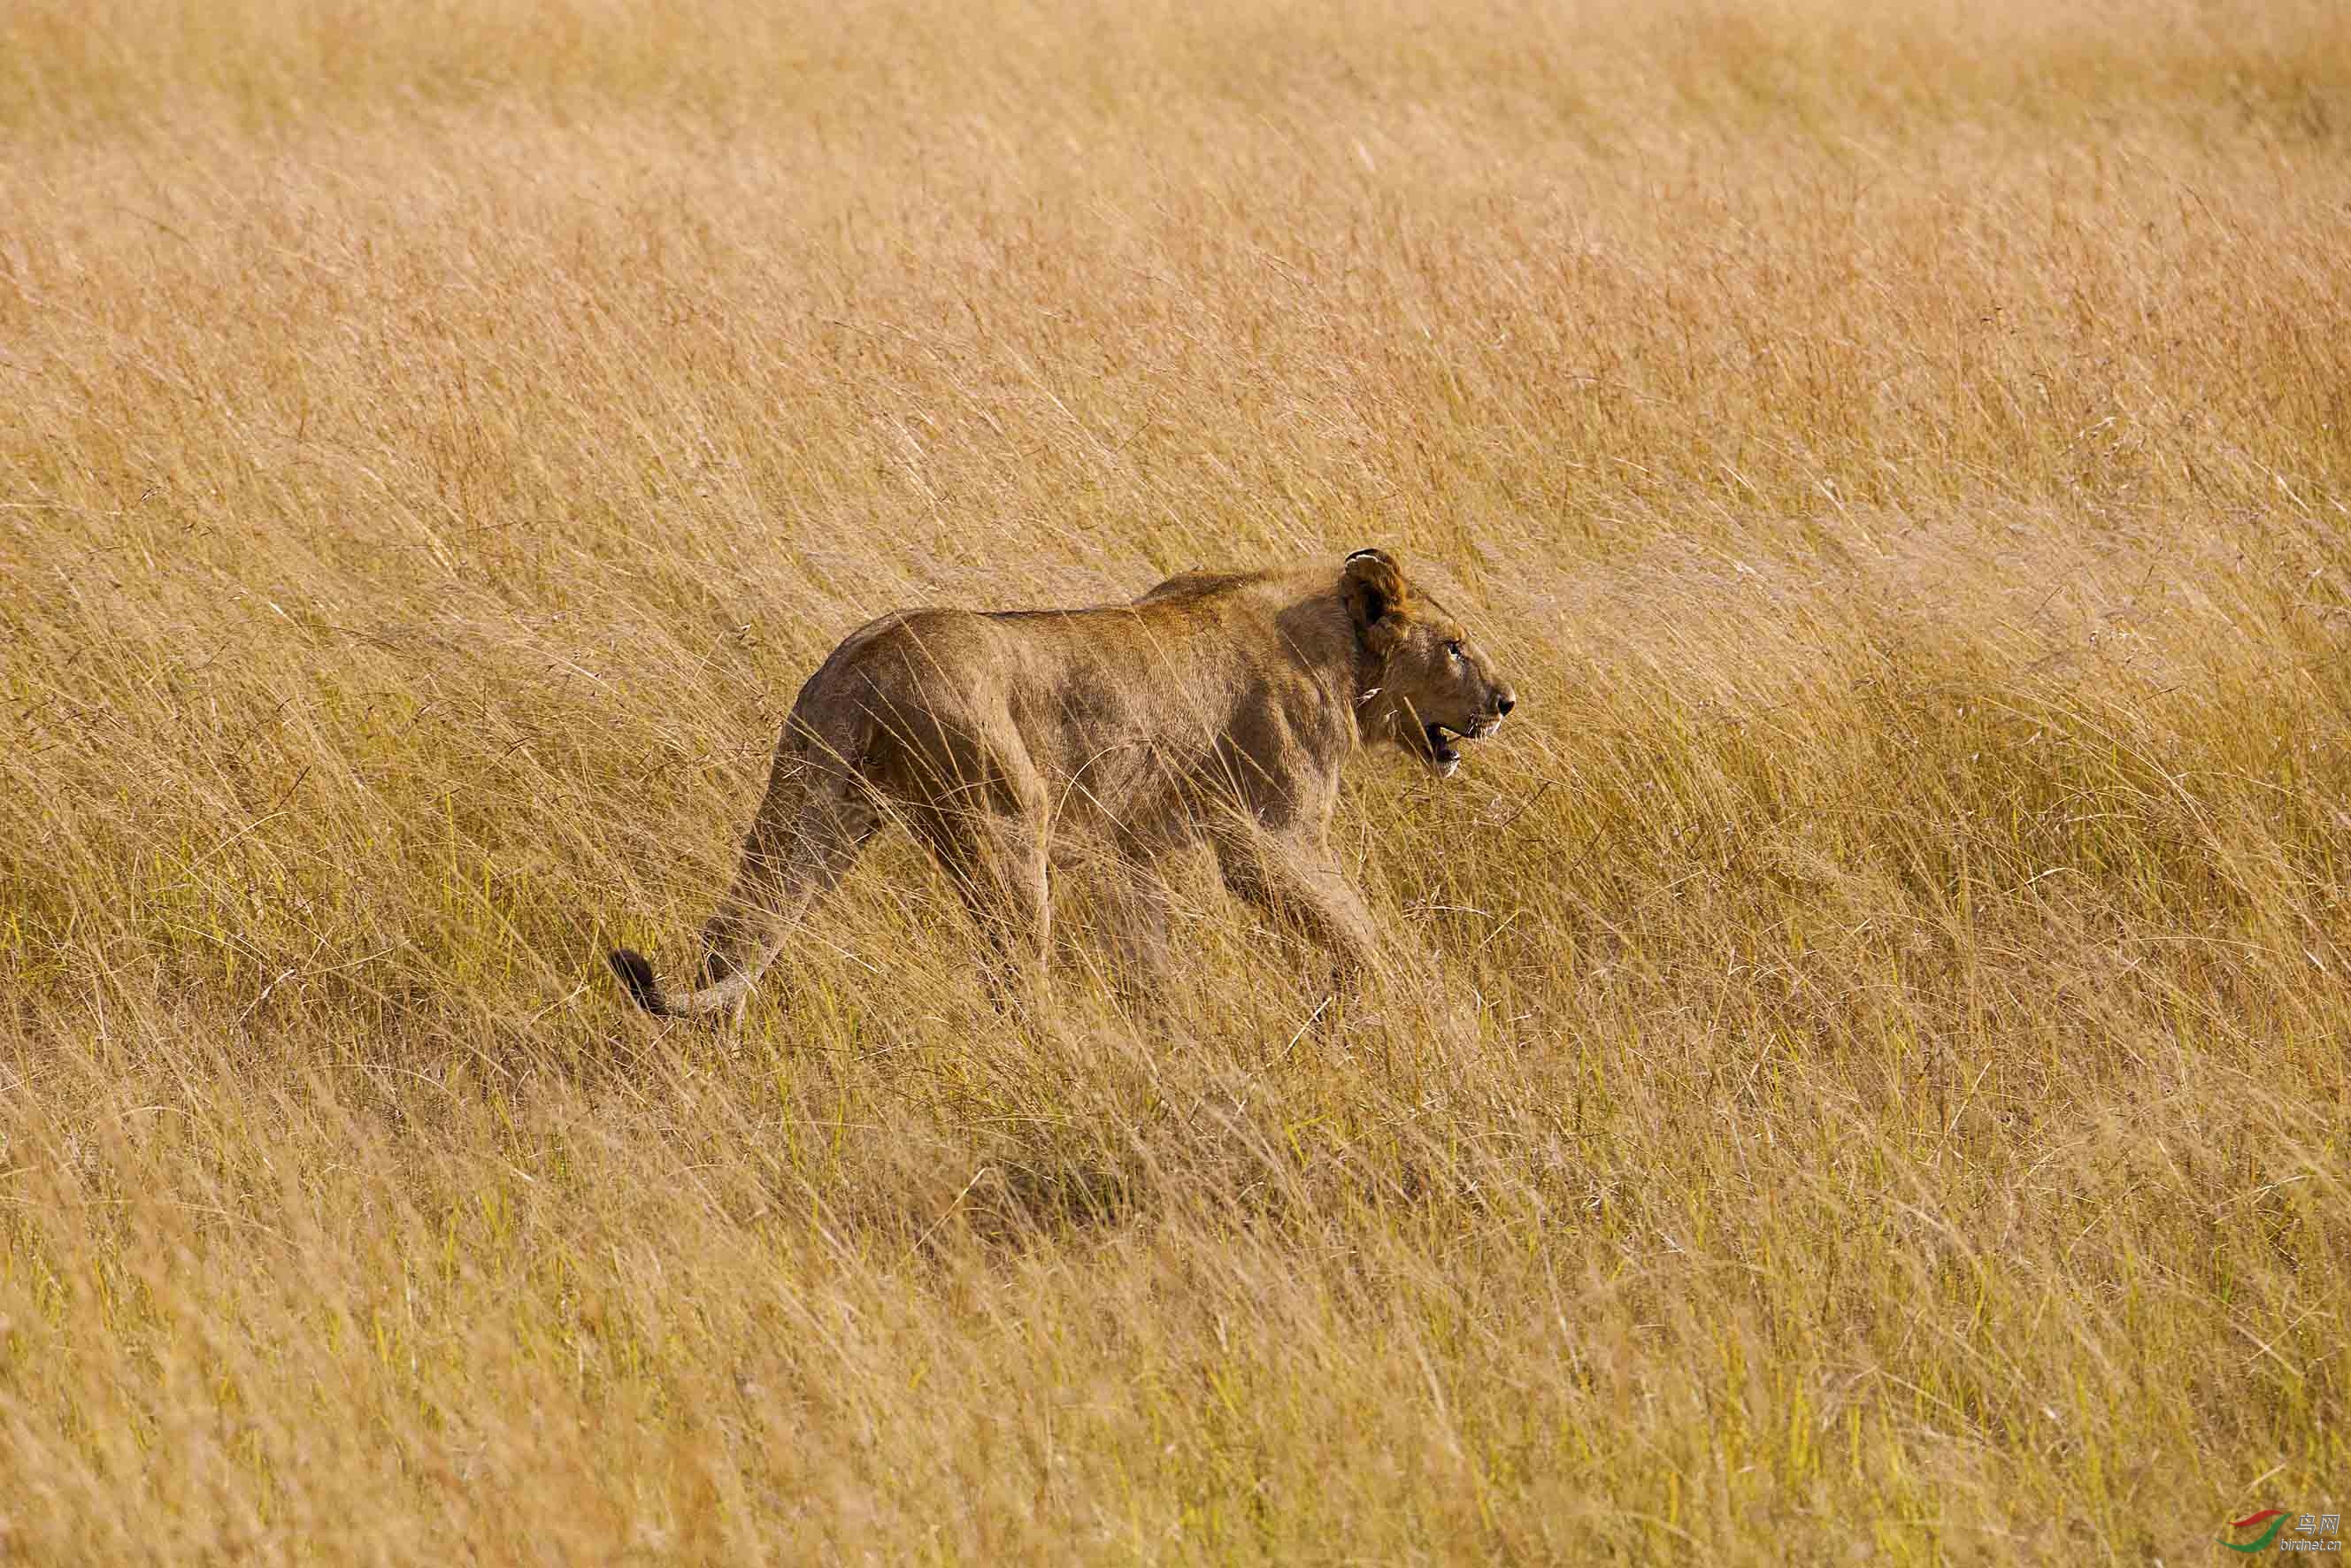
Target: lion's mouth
x,y
1444,742
1442,751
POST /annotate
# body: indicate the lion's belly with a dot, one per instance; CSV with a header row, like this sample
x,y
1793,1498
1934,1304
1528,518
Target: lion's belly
x,y
1116,789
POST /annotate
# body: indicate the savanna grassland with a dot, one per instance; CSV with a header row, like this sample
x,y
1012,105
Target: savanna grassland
x,y
1876,1083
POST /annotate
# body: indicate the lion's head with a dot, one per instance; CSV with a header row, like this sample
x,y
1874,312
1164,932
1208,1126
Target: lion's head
x,y
1428,685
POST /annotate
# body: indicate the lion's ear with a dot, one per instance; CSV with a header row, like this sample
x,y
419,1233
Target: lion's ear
x,y
1371,587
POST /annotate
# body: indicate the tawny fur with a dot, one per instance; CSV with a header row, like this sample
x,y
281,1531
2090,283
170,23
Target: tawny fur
x,y
1217,707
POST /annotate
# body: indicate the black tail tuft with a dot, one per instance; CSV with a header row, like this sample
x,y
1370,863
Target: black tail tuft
x,y
637,975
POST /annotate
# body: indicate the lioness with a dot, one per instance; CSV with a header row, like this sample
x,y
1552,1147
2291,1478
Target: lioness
x,y
1215,706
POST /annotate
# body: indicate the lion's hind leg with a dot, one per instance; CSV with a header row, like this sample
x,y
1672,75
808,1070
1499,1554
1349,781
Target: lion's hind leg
x,y
1138,917
1143,918
1000,869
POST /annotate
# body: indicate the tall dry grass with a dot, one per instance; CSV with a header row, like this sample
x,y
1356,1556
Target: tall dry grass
x,y
1891,1100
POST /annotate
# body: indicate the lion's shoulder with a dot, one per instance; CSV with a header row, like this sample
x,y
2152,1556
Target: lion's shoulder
x,y
1201,583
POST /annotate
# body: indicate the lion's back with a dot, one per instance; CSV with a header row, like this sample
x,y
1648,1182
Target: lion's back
x,y
1122,701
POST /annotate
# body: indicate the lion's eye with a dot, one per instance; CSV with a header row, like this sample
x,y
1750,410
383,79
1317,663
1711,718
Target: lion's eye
x,y
1454,649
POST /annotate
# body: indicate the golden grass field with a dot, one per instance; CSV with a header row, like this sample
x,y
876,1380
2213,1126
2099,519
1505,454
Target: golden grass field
x,y
1885,1096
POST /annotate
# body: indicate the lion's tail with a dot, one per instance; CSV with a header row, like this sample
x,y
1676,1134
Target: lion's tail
x,y
814,819
816,815
637,979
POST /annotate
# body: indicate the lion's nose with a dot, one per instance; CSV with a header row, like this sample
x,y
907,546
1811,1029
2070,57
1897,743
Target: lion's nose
x,y
1504,702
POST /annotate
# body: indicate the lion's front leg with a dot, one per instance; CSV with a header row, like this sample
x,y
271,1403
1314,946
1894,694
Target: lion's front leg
x,y
1300,887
